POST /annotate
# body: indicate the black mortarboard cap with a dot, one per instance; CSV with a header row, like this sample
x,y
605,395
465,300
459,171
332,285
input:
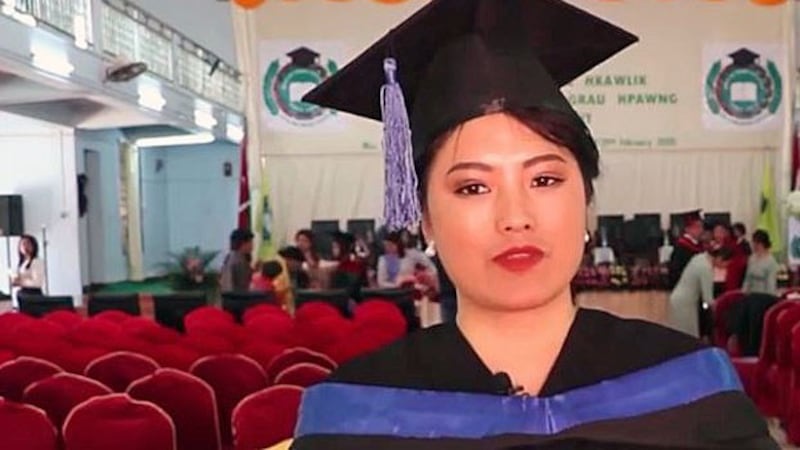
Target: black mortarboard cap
x,y
303,56
691,217
743,57
461,59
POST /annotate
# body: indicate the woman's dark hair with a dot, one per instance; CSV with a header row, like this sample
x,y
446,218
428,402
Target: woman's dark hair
x,y
739,228
724,253
557,127
308,234
271,269
396,238
762,237
34,250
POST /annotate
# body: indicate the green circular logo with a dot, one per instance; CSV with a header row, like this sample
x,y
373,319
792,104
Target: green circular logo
x,y
745,91
284,85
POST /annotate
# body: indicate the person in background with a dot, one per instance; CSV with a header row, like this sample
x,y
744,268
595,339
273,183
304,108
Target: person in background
x,y
686,247
236,270
695,287
317,275
264,278
740,252
29,278
304,240
400,266
740,236
762,268
351,272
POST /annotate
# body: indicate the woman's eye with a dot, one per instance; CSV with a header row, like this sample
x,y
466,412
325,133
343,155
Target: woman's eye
x,y
473,189
545,181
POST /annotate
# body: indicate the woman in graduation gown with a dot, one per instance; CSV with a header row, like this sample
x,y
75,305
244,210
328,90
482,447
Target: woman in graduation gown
x,y
505,170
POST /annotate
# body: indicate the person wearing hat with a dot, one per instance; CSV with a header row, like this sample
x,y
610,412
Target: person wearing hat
x,y
236,270
504,169
686,247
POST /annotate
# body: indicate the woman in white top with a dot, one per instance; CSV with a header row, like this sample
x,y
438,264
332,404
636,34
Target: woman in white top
x,y
762,268
29,277
399,266
695,287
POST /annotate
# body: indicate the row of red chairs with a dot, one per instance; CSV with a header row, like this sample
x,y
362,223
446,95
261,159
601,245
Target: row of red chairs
x,y
219,391
771,379
71,341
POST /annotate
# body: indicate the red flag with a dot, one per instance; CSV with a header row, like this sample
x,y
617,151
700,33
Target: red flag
x,y
244,189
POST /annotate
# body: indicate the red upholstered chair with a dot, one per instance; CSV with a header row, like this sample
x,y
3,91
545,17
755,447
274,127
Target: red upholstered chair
x,y
207,314
362,342
262,310
25,427
175,356
189,401
119,369
262,352
792,421
18,374
118,422
314,310
67,319
62,392
303,375
38,338
97,333
233,377
754,372
6,355
721,337
113,316
266,418
318,334
76,359
209,344
150,331
381,318
297,355
278,328
781,372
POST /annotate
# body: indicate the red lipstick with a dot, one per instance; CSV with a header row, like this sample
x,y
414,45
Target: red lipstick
x,y
519,259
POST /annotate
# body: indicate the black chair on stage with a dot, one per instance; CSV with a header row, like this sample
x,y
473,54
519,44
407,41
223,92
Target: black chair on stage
x,y
127,303
41,305
338,298
170,309
402,297
237,303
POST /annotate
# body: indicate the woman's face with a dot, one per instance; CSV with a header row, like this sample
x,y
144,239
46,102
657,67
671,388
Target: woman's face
x,y
390,247
303,242
507,211
336,249
721,234
25,247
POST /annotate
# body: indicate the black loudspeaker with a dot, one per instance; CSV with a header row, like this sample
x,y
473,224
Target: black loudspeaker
x,y
11,221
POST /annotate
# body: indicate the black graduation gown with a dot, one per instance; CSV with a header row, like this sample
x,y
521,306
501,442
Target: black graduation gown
x,y
617,384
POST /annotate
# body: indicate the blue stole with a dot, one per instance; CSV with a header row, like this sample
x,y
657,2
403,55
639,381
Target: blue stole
x,y
350,409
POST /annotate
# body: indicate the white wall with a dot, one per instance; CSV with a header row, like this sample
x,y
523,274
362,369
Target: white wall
x,y
106,263
37,161
188,201
208,22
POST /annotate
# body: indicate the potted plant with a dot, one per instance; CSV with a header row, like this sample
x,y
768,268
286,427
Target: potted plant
x,y
189,271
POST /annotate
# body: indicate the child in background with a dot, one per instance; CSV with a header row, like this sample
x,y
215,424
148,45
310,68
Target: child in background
x,y
263,279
